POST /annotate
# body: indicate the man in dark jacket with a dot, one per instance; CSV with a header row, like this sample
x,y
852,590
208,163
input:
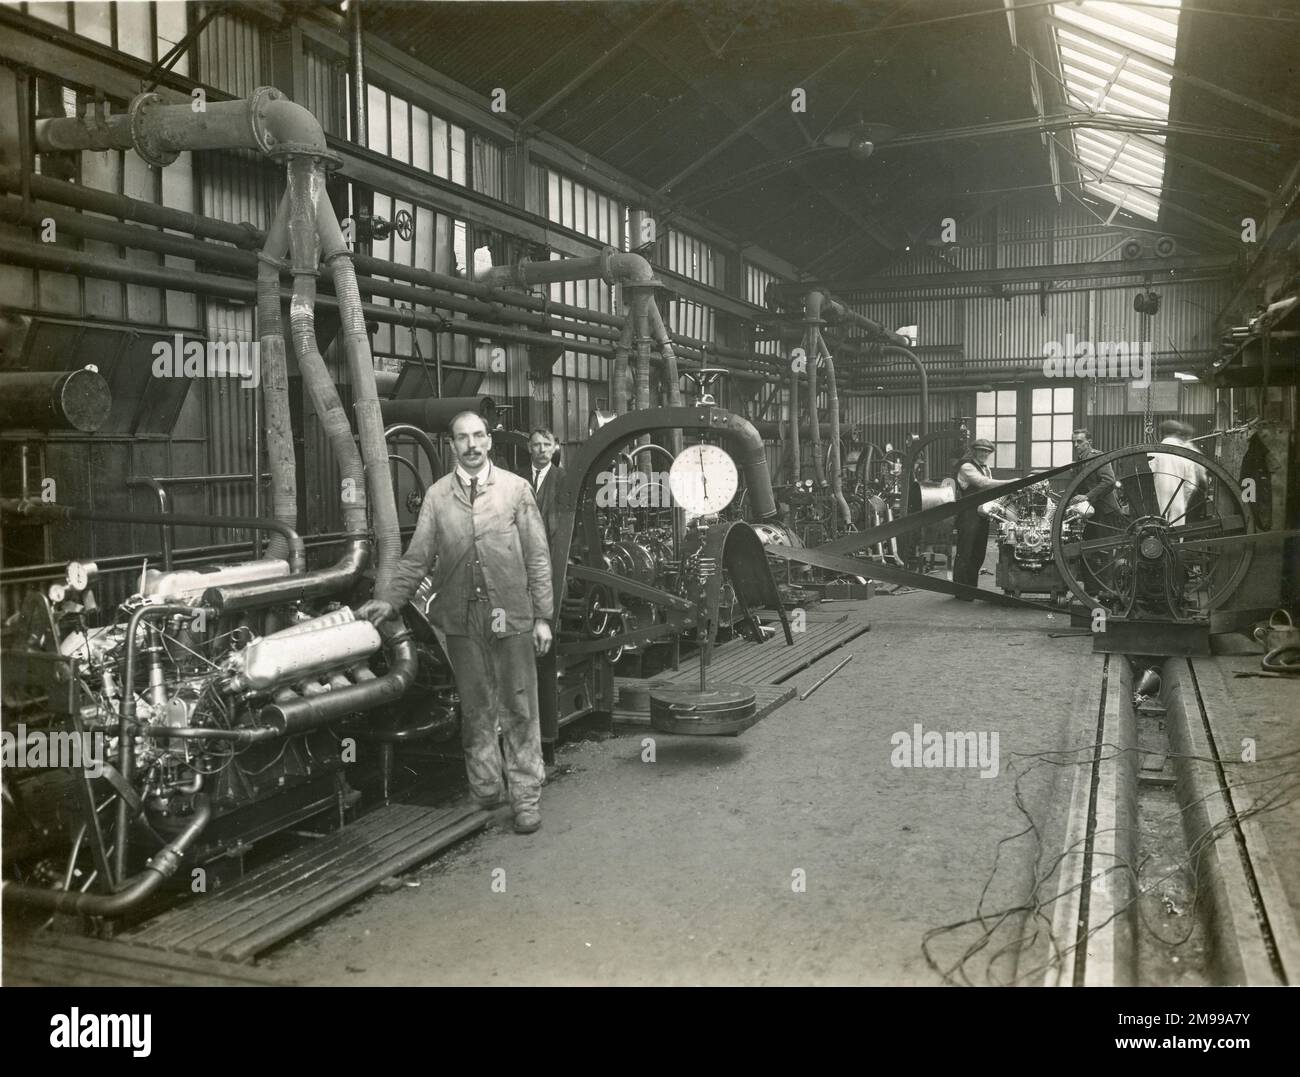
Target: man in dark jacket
x,y
545,477
1101,489
492,576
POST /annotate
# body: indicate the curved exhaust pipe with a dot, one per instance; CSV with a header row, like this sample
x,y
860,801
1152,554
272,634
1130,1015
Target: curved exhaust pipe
x,y
310,712
162,866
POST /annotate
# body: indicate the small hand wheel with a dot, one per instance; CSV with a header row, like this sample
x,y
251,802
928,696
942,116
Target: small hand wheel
x,y
404,224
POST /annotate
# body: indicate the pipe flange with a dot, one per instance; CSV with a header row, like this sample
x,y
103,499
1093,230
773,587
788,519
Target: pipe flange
x,y
606,271
330,160
152,149
280,151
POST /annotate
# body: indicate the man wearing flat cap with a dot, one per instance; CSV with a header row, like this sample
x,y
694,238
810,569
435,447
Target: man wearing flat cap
x,y
973,474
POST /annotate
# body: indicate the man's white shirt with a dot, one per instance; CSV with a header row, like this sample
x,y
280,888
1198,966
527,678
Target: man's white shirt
x,y
1176,479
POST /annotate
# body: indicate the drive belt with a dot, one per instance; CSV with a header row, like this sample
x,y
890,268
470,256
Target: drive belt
x,y
849,566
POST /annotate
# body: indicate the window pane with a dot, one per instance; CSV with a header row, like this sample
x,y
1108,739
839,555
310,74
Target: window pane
x,y
985,426
983,403
1006,454
1006,401
401,128
377,119
1042,400
133,30
1040,454
1006,429
1062,427
419,138
95,20
1061,453
1063,400
457,154
592,224
1041,427
441,157
566,202
553,197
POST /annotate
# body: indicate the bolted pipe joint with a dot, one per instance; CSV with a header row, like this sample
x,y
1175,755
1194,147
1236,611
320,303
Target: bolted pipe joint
x,y
266,121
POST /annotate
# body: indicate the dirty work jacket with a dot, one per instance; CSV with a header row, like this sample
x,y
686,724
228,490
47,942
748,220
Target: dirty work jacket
x,y
503,530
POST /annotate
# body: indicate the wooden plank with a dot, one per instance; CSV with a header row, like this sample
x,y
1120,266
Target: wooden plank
x,y
236,922
268,882
84,962
771,662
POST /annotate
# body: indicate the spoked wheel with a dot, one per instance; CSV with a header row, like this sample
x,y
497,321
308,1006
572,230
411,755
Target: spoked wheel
x,y
1171,551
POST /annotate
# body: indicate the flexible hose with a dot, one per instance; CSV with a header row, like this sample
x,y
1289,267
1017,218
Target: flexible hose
x,y
365,394
833,402
275,380
304,184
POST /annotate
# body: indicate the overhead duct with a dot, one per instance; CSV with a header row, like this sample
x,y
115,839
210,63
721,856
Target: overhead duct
x,y
54,400
432,414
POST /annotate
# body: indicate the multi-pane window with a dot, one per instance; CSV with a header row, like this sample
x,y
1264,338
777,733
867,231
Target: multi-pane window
x,y
692,258
995,419
413,135
144,30
438,242
690,319
1051,425
756,282
584,209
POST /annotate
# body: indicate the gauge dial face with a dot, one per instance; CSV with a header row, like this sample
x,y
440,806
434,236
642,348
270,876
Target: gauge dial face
x,y
703,479
78,578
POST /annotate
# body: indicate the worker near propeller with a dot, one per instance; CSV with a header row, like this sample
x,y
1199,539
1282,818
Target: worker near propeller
x,y
1100,501
972,475
482,535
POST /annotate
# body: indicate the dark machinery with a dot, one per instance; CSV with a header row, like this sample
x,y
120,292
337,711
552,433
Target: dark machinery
x,y
1152,575
632,581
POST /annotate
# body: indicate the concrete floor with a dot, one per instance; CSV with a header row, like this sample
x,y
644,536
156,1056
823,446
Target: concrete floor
x,y
684,870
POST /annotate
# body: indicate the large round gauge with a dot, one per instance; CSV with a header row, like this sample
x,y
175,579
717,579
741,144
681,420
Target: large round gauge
x,y
703,479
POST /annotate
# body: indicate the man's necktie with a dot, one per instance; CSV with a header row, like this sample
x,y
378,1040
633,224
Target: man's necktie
x,y
473,490
536,479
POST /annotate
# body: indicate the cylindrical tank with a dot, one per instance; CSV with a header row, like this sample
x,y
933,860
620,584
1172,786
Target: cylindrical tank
x,y
54,400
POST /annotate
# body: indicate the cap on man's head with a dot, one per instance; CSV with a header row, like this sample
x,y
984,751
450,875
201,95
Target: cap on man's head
x,y
982,445
1173,428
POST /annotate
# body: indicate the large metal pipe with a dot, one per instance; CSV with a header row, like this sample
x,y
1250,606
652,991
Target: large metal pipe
x,y
304,191
792,442
54,400
922,375
443,286
432,413
266,121
42,512
334,580
311,712
772,430
610,265
162,865
274,380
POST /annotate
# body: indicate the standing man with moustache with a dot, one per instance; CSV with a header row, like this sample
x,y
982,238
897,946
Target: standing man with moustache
x,y
481,532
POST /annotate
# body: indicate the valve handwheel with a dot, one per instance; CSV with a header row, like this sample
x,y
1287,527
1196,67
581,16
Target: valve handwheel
x,y
404,225
1178,552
